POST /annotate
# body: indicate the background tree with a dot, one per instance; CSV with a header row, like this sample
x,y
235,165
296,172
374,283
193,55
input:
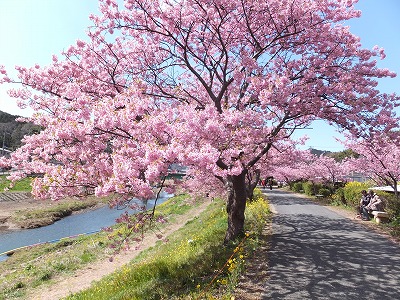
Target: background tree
x,y
378,158
327,170
213,85
288,165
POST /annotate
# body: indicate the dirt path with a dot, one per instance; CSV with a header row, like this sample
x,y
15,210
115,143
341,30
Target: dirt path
x,y
82,279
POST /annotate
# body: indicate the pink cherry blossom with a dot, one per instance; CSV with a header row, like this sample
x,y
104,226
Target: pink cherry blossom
x,y
378,159
216,86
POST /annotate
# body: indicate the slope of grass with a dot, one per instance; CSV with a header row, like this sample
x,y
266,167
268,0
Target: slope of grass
x,y
32,218
193,264
23,185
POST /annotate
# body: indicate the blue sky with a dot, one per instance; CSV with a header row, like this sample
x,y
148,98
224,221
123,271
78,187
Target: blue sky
x,y
32,30
379,25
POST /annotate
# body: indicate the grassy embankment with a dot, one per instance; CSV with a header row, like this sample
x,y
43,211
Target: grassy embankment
x,y
31,218
193,264
23,185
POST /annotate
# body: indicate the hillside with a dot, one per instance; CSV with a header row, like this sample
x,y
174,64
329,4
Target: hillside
x,y
12,132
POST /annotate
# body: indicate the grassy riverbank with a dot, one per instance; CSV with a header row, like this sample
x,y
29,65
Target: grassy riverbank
x,y
193,264
33,218
23,212
19,210
23,185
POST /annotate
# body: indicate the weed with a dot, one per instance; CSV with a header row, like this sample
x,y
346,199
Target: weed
x,y
191,265
87,256
183,268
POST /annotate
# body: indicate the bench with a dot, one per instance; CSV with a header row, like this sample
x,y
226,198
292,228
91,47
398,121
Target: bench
x,y
380,216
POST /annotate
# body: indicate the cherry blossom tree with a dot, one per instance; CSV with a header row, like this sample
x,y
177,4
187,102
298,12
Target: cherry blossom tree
x,y
298,165
213,85
285,162
326,169
379,158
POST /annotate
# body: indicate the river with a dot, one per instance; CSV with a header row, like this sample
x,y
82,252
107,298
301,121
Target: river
x,y
76,224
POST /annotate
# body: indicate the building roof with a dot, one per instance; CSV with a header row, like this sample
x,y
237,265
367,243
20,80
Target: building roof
x,y
383,188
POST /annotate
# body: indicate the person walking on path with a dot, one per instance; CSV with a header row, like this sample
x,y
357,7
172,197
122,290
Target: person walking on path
x,y
316,253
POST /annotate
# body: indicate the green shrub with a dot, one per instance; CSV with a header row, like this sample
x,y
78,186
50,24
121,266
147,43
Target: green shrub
x,y
257,213
391,203
310,188
257,194
352,192
298,187
324,192
338,197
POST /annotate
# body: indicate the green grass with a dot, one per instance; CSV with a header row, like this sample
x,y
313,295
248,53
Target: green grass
x,y
42,217
193,264
177,205
23,185
176,267
30,268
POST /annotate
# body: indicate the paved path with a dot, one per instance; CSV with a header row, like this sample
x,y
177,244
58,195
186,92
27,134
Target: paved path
x,y
318,254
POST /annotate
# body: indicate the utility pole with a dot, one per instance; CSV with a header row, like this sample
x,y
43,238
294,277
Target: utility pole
x,y
4,138
4,142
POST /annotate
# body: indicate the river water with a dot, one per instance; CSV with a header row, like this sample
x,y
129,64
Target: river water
x,y
83,223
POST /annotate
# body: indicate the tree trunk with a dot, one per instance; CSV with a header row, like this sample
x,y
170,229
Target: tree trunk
x,y
252,180
236,206
396,192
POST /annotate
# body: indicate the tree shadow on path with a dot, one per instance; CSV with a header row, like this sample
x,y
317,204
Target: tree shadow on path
x,y
315,253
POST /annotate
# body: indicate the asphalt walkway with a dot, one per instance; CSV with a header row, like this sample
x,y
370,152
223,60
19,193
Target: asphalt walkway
x,y
316,253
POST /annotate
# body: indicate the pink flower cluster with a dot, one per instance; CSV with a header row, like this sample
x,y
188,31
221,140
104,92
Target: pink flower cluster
x,y
213,85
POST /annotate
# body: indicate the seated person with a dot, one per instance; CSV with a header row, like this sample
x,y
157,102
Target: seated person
x,y
365,199
375,203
